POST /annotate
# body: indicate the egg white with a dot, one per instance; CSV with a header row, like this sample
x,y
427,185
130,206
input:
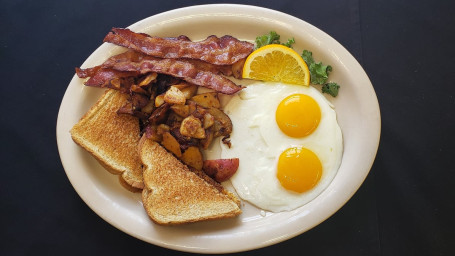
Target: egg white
x,y
258,142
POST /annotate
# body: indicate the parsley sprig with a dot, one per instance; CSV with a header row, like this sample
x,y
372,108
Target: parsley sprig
x,y
272,38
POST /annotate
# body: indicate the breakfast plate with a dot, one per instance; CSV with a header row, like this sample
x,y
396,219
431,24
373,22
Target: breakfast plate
x,y
357,114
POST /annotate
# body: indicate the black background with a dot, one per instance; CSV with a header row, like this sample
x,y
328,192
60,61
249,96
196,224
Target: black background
x,y
406,206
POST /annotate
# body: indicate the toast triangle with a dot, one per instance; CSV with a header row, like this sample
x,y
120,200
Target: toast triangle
x,y
112,139
174,194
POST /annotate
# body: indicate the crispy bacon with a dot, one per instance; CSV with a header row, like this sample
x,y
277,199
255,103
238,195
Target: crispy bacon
x,y
183,70
88,72
107,78
226,70
192,71
225,50
134,56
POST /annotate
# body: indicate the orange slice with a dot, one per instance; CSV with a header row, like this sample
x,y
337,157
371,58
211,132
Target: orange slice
x,y
276,63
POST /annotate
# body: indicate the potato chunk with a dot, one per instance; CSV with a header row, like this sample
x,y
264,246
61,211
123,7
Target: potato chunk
x,y
181,110
189,91
221,169
207,100
174,96
192,127
205,143
159,100
151,77
162,128
209,120
159,114
181,85
171,144
237,69
193,157
222,125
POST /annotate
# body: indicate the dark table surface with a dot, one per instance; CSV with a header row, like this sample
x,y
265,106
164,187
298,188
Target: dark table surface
x,y
406,206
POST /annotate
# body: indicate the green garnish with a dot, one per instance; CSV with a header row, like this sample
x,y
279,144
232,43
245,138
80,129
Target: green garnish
x,y
272,38
320,74
331,88
289,43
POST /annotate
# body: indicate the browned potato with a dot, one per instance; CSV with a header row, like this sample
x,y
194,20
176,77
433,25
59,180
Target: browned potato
x,y
116,83
192,127
159,114
181,110
174,96
181,85
148,108
151,133
207,100
171,144
138,89
209,120
222,125
205,143
237,68
159,100
184,141
148,79
192,106
139,100
189,91
221,169
162,129
174,121
193,157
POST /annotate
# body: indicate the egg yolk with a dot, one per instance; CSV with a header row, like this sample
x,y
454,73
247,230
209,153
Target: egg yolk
x,y
298,115
299,169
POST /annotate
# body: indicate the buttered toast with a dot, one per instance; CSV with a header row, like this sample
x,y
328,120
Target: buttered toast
x,y
112,138
174,194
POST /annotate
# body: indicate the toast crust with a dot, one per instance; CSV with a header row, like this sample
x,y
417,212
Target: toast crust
x,y
112,139
173,194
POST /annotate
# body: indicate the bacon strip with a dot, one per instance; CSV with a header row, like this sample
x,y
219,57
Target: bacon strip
x,y
114,71
181,69
226,70
134,63
134,56
226,50
88,72
107,78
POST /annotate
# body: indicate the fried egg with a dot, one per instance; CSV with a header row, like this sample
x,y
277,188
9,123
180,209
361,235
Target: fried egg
x,y
288,141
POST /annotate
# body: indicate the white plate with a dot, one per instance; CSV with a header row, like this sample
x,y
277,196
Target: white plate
x,y
356,106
